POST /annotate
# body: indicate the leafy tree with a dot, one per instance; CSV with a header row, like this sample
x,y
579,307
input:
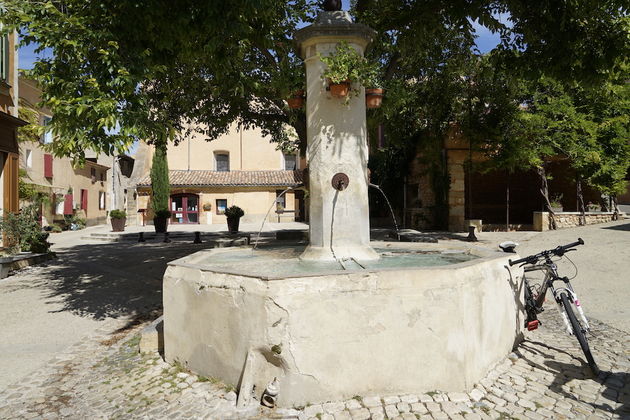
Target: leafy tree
x,y
31,131
123,71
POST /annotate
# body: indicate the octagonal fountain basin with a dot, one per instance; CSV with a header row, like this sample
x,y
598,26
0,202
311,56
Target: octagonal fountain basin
x,y
423,317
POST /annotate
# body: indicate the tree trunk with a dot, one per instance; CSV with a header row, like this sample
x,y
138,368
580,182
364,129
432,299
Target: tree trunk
x,y
615,207
507,204
544,190
580,198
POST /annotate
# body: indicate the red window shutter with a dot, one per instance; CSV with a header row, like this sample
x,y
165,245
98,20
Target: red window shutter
x,y
84,196
48,166
67,204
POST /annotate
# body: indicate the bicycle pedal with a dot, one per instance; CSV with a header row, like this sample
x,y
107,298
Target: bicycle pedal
x,y
532,325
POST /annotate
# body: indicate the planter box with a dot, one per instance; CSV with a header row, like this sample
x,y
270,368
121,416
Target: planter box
x,y
118,225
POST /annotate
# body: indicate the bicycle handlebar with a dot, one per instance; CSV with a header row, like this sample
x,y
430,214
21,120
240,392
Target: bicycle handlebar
x,y
559,251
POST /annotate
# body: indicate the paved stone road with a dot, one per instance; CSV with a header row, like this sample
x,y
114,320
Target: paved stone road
x,y
104,376
95,289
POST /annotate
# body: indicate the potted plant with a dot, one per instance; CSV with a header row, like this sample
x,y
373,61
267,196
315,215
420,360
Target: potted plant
x,y
344,67
160,220
233,214
296,100
118,219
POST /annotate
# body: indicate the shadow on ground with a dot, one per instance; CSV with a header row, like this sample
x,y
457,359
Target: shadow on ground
x,y
110,280
624,227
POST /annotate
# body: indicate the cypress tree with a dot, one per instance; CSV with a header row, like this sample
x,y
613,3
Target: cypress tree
x,y
160,185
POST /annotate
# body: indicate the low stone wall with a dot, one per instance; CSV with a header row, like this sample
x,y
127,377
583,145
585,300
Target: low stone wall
x,y
542,219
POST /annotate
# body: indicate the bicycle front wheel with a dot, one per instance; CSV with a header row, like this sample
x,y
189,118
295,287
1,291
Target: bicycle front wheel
x,y
579,332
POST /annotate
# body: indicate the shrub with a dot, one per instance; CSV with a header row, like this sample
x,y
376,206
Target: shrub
x,y
234,211
23,231
160,185
162,214
118,214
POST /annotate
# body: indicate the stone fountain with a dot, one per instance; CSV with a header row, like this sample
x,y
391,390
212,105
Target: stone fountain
x,y
341,316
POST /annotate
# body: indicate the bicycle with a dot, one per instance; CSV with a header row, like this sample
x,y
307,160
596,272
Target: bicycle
x,y
565,296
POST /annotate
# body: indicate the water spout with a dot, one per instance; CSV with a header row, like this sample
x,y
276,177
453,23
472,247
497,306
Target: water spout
x,y
267,215
391,210
332,226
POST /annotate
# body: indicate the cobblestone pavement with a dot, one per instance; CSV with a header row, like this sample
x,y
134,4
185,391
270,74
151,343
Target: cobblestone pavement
x,y
104,376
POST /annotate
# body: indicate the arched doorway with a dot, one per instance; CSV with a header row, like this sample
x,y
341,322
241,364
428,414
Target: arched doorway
x,y
185,208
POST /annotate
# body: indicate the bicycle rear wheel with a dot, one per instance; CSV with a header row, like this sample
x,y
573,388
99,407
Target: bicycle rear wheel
x,y
579,332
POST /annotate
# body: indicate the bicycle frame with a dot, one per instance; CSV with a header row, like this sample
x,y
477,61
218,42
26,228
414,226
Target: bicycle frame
x,y
551,275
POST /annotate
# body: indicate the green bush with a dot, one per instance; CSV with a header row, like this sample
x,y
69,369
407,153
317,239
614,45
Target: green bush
x,y
23,232
163,214
234,211
75,220
118,214
56,228
160,185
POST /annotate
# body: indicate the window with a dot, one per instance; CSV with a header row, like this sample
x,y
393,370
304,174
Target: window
x,y
59,204
4,58
29,158
93,174
222,162
102,176
47,137
290,162
280,200
221,206
101,200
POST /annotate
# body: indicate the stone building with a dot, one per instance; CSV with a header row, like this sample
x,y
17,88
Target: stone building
x,y
240,168
474,194
9,123
81,191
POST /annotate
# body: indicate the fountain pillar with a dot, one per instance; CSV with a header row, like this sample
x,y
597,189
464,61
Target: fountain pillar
x,y
336,144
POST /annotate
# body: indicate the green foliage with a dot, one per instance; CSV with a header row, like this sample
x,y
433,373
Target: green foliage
x,y
234,212
23,231
162,214
122,71
118,214
160,186
30,132
29,192
347,65
74,222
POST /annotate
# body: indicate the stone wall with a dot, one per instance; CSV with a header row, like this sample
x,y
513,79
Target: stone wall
x,y
542,219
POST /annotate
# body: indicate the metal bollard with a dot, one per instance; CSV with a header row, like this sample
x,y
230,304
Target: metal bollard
x,y
141,237
197,238
166,238
471,234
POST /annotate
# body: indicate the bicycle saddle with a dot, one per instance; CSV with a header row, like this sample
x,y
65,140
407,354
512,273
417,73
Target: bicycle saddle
x,y
508,246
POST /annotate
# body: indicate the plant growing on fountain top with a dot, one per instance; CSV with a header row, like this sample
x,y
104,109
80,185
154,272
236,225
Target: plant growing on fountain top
x,y
346,66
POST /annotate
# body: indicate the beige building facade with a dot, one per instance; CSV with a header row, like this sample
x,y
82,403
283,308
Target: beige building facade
x,y
73,191
9,123
241,168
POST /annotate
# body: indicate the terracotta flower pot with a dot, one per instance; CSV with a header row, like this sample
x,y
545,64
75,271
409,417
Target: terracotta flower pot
x,y
296,101
118,225
373,98
339,90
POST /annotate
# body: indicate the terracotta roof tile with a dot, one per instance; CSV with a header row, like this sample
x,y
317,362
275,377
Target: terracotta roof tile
x,y
230,179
